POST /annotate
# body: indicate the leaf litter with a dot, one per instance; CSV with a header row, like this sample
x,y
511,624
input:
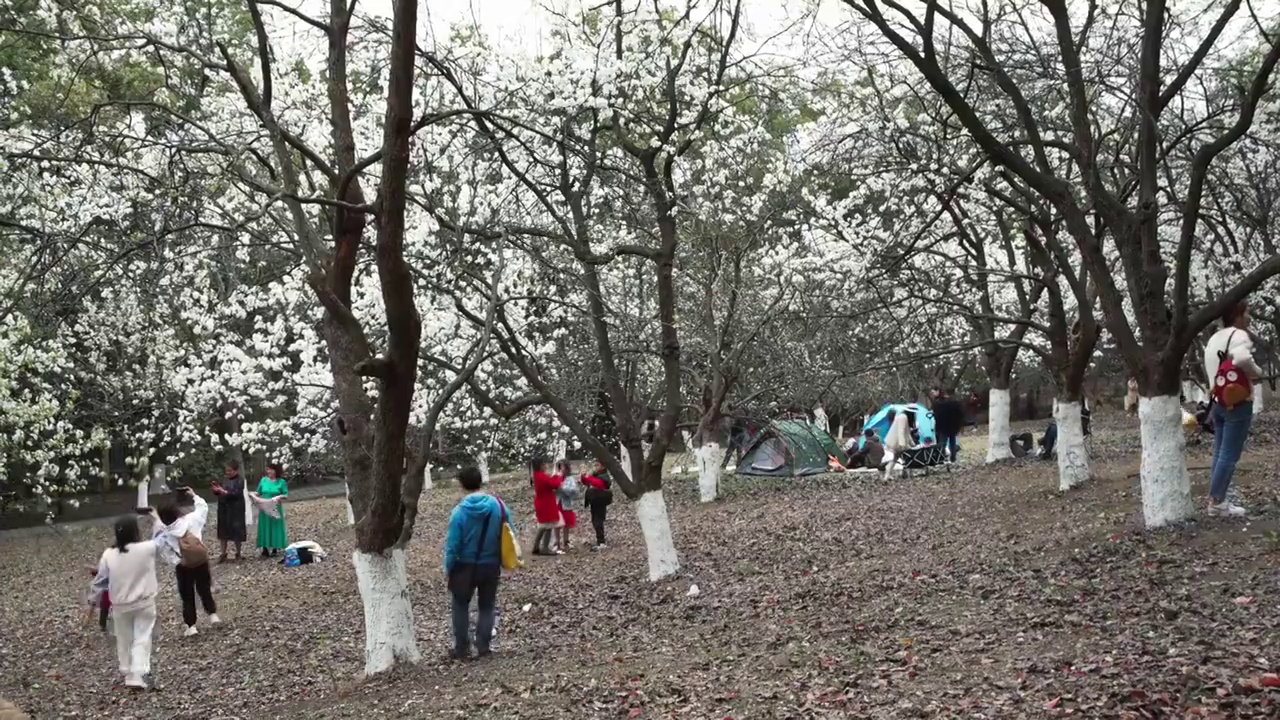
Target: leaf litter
x,y
980,593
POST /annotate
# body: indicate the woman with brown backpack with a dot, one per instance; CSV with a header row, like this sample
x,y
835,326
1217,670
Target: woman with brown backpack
x,y
180,536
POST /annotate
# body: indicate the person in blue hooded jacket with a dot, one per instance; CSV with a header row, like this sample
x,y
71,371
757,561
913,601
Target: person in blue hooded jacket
x,y
473,562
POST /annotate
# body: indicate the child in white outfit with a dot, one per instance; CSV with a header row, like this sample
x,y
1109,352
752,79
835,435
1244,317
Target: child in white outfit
x,y
127,571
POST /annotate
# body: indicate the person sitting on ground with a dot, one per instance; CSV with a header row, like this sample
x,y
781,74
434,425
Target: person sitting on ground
x,y
1020,444
871,454
473,563
1204,418
1048,440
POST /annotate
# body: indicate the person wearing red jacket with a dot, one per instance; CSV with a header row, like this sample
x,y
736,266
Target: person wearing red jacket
x,y
598,497
546,507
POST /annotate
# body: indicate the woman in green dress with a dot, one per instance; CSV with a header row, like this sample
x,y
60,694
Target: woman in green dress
x,y
272,538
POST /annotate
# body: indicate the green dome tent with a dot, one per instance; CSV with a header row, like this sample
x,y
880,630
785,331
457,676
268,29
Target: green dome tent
x,y
788,448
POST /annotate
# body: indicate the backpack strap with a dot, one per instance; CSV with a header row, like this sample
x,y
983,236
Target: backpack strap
x,y
1222,354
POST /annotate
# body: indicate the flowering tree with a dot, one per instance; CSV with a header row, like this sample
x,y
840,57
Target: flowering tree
x,y
1088,125
595,132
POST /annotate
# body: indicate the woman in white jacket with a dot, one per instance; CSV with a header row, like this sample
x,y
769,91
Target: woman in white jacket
x,y
1230,425
127,571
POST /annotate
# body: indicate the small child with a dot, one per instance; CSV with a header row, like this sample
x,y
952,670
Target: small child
x,y
598,496
567,497
103,603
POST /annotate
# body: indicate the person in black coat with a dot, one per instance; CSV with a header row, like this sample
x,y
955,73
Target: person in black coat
x,y
231,525
948,421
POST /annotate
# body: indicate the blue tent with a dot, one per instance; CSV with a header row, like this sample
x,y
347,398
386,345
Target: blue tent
x,y
880,421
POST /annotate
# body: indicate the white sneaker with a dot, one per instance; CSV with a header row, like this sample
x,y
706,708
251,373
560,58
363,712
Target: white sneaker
x,y
191,630
214,619
1227,509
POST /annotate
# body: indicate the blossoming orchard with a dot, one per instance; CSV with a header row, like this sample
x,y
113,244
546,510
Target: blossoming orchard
x,y
829,282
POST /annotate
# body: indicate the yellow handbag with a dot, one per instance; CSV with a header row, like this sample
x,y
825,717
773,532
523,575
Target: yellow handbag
x,y
510,546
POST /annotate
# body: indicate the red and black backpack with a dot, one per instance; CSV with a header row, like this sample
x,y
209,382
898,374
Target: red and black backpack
x,y
1231,385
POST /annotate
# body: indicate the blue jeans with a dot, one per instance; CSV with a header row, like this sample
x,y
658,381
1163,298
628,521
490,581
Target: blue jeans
x,y
484,586
1230,430
951,443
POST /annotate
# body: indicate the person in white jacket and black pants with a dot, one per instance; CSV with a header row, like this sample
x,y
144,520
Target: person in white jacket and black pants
x,y
190,560
127,571
1230,426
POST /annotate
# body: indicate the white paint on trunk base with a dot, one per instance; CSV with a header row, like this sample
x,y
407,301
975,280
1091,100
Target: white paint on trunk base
x,y
710,458
388,615
426,478
1257,398
144,494
624,457
998,426
1193,393
1166,486
251,517
688,439
820,419
482,462
351,513
655,525
1073,455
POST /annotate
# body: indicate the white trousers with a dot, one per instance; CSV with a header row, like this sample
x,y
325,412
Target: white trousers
x,y
133,641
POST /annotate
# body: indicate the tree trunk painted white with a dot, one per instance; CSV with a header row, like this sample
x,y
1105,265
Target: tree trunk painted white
x,y
820,419
655,525
1073,455
250,517
482,462
1257,398
390,636
998,426
144,494
624,457
351,513
688,439
1166,486
426,478
710,459
1192,392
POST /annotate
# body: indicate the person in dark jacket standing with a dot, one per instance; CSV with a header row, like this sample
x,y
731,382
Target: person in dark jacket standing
x,y
948,421
598,497
473,563
231,517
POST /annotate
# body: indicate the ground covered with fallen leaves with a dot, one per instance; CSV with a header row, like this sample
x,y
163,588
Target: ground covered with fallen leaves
x,y
980,593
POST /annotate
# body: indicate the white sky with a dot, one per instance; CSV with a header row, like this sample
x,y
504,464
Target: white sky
x,y
526,21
